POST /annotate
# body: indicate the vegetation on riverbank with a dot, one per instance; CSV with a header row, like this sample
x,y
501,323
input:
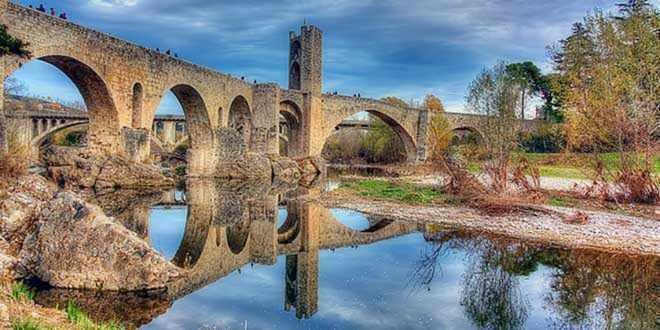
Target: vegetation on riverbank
x,y
25,314
402,192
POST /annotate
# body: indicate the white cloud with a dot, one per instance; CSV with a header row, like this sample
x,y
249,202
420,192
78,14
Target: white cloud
x,y
114,3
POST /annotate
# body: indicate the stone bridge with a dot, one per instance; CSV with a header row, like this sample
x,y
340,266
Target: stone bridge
x,y
34,128
122,84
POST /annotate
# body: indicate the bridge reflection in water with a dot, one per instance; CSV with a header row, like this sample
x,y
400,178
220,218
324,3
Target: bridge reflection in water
x,y
230,225
478,280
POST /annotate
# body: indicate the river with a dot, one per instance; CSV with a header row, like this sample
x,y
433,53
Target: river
x,y
259,257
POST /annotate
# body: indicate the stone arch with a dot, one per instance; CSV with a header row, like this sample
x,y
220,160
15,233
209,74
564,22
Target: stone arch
x,y
39,140
198,124
198,224
406,137
296,50
293,118
290,229
104,126
240,117
237,236
137,100
295,81
462,131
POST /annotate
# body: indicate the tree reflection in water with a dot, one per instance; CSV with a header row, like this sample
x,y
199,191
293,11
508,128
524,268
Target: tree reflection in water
x,y
588,289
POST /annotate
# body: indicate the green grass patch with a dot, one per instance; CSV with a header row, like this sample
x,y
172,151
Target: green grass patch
x,y
404,192
20,291
27,324
562,201
572,165
79,318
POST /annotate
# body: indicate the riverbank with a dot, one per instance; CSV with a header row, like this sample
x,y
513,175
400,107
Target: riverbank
x,y
605,231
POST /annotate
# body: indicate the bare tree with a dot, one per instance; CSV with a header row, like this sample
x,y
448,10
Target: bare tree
x,y
494,93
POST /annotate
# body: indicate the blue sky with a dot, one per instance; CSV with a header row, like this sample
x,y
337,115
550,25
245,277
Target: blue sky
x,y
372,47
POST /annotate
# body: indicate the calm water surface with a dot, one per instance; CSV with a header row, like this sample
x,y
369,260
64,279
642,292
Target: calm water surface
x,y
266,261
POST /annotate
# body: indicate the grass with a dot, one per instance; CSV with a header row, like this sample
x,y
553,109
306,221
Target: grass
x,y
80,319
575,166
20,291
403,192
562,201
27,324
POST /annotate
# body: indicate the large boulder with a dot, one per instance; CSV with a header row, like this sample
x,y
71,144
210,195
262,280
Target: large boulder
x,y
79,168
69,243
76,246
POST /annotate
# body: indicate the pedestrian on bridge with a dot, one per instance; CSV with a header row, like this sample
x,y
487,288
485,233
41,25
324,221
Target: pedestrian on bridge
x,y
42,8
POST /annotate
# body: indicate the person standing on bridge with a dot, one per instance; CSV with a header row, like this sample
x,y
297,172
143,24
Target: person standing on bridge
x,y
63,16
42,8
52,12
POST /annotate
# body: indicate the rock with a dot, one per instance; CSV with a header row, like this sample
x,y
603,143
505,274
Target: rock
x,y
75,245
4,317
7,265
79,168
64,241
284,170
248,166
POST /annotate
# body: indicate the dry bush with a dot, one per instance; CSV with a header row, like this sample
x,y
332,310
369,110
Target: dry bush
x,y
633,182
15,161
526,177
577,218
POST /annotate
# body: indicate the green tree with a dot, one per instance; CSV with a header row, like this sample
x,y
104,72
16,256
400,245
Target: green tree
x,y
609,71
529,79
10,45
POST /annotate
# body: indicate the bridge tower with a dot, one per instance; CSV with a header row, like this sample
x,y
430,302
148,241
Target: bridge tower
x,y
306,59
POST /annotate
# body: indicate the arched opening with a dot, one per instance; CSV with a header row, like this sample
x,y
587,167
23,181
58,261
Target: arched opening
x,y
369,138
240,118
294,77
289,228
290,129
136,105
72,134
181,124
295,50
237,236
198,224
65,87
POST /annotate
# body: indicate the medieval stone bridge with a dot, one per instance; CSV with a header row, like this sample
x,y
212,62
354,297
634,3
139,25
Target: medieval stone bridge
x,y
35,128
122,84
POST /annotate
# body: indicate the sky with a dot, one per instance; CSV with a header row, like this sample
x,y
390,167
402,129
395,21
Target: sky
x,y
376,48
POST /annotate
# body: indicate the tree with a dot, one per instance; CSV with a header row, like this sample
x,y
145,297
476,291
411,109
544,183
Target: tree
x,y
610,78
494,94
382,144
395,101
433,103
10,45
528,77
13,86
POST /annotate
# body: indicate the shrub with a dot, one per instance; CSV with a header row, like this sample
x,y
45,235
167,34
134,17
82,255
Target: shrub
x,y
180,170
547,139
440,137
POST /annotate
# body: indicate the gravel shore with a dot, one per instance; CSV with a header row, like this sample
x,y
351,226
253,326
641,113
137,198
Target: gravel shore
x,y
603,231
